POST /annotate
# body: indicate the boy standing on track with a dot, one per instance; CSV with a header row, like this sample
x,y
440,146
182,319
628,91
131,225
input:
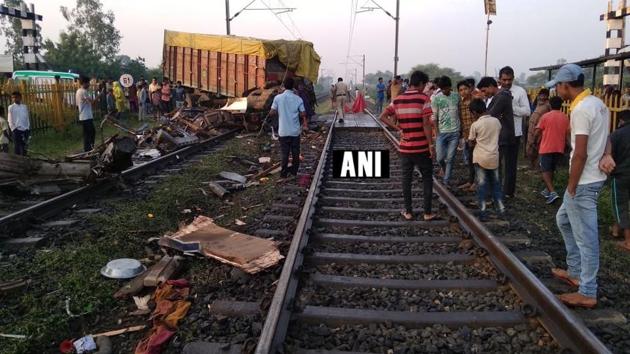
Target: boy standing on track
x,y
577,217
289,107
445,108
484,137
465,93
412,111
554,127
500,107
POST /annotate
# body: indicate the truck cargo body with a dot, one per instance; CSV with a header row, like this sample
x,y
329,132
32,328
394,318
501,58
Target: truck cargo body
x,y
231,66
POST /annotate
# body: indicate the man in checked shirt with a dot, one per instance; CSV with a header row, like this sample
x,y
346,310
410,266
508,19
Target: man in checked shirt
x,y
412,111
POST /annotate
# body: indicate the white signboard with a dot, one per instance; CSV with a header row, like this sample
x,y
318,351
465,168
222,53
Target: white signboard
x,y
6,63
126,80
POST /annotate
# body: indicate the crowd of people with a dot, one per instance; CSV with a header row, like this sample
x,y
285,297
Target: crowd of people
x,y
143,98
488,121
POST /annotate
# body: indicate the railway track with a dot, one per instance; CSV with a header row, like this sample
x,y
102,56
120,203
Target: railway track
x,y
358,279
18,221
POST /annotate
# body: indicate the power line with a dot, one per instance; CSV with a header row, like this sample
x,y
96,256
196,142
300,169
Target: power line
x,y
353,18
291,19
279,19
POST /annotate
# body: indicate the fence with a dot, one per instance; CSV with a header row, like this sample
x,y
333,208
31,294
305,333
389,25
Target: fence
x,y
51,106
614,102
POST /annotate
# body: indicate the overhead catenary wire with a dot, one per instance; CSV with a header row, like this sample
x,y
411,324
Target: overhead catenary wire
x,y
353,18
291,19
280,19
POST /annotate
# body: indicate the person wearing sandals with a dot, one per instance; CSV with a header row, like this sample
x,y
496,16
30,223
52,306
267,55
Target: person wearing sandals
x,y
577,217
484,137
412,111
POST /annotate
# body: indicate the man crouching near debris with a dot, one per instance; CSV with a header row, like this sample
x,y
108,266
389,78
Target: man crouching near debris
x,y
412,111
289,107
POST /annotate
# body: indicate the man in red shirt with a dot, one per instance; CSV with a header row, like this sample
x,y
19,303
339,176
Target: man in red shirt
x,y
410,113
554,127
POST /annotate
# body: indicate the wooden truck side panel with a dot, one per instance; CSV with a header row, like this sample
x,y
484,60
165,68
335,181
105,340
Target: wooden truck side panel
x,y
227,74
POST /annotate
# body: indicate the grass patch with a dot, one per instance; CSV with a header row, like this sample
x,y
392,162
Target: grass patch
x,y
69,268
55,145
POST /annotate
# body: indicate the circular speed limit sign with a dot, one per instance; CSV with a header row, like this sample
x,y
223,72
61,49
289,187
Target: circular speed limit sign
x,y
126,80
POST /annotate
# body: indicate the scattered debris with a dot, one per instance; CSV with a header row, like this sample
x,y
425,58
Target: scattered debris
x,y
162,271
170,307
104,345
239,222
157,274
14,336
118,332
249,253
233,177
16,170
142,303
123,268
217,189
264,160
84,344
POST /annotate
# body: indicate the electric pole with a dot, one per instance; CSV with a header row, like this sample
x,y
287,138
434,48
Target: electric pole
x,y
396,44
485,73
227,16
363,71
395,18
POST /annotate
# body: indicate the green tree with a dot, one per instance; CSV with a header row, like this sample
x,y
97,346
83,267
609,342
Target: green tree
x,y
91,23
536,80
89,44
434,71
372,78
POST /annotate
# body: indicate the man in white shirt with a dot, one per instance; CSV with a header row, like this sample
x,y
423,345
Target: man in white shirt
x,y
521,109
577,217
19,123
84,104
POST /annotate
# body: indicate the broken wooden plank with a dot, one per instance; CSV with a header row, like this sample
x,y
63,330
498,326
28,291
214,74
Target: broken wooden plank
x,y
162,271
249,253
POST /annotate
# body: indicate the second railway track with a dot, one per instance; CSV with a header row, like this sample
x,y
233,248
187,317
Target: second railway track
x,y
359,279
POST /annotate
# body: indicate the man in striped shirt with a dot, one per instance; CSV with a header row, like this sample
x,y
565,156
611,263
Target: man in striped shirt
x,y
410,114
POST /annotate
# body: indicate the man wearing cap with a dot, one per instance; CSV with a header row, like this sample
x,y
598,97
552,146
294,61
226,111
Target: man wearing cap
x,y
577,217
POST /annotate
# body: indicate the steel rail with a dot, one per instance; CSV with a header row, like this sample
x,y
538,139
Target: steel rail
x,y
22,219
565,327
279,314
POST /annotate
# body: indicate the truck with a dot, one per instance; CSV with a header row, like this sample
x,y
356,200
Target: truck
x,y
231,66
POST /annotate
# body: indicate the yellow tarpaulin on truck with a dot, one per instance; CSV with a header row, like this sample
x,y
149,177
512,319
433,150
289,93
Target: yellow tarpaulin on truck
x,y
298,56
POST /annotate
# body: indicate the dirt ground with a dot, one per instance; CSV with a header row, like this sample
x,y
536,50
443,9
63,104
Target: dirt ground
x,y
64,272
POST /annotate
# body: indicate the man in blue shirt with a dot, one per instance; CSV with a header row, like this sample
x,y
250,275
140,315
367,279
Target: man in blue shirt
x,y
380,95
289,107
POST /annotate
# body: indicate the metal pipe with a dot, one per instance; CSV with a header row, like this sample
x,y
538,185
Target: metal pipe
x,y
593,83
396,43
485,72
